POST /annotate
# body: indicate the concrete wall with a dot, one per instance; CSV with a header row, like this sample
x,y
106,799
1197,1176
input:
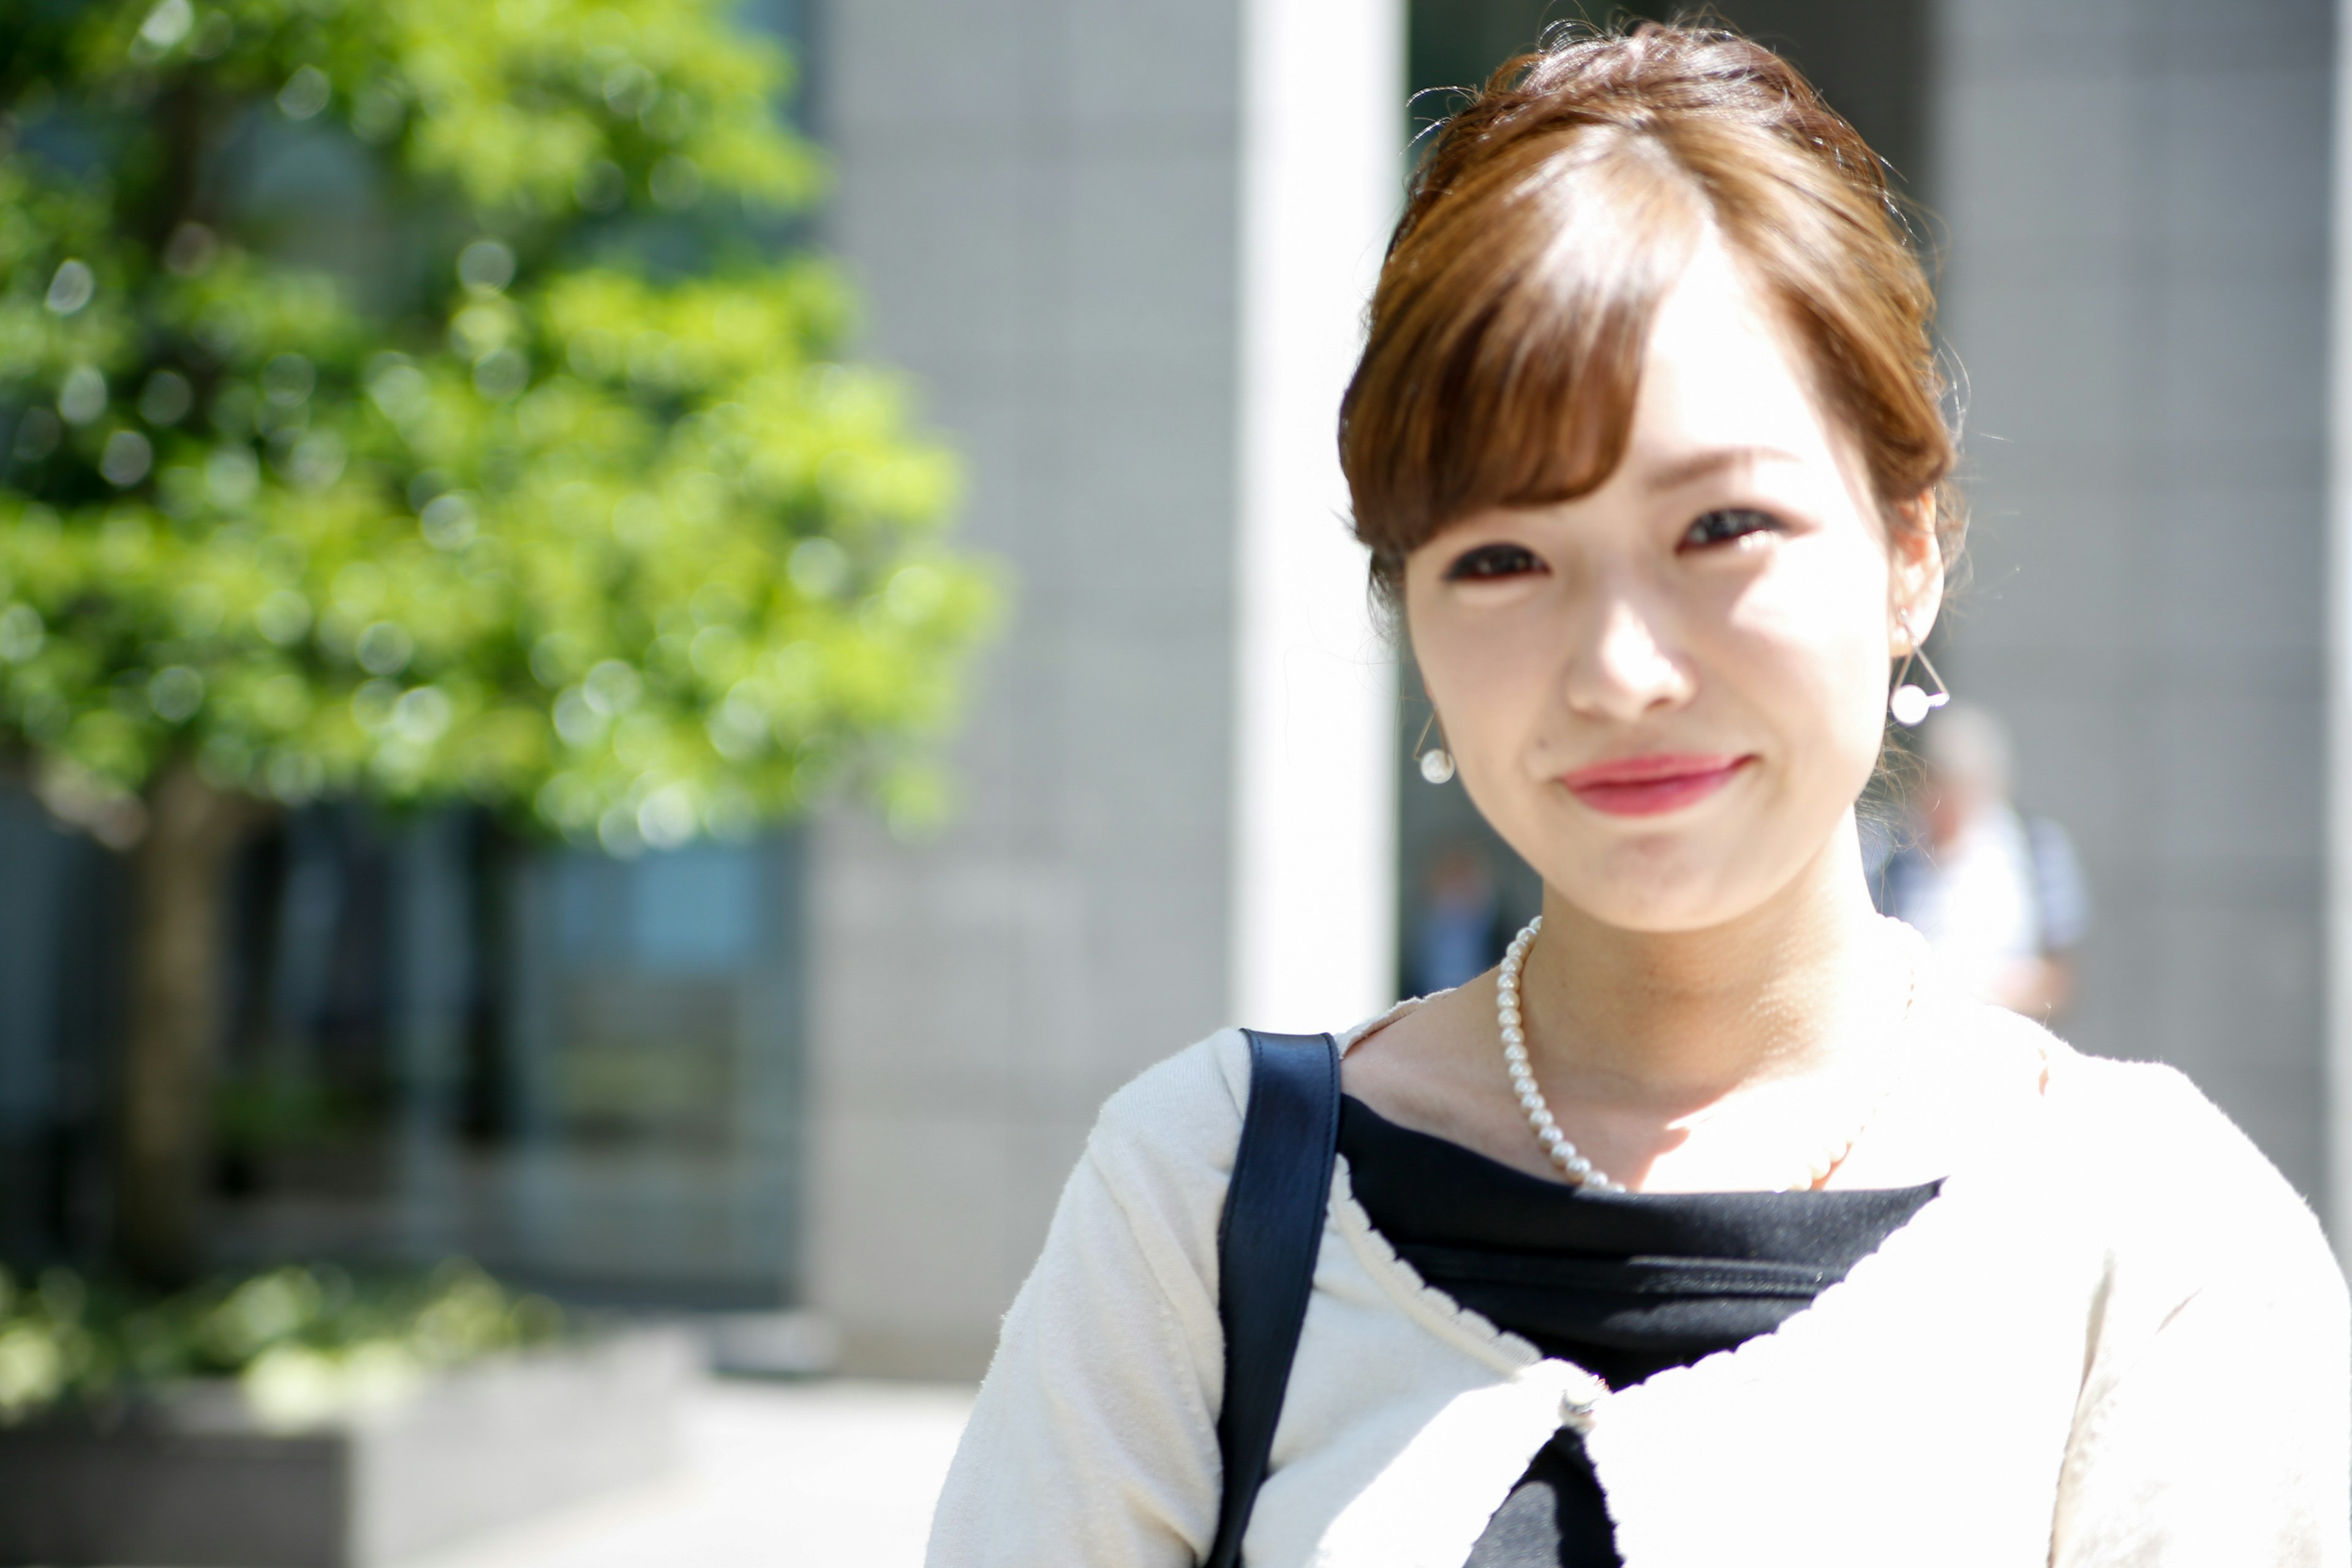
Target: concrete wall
x,y
1041,201
1123,245
2137,195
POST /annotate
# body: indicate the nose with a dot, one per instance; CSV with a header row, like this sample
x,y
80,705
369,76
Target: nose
x,y
1625,670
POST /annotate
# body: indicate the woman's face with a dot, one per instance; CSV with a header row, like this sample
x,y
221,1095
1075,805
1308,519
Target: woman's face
x,y
1666,695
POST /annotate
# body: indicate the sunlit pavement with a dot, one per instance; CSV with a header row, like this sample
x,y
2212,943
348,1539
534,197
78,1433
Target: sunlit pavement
x,y
820,1475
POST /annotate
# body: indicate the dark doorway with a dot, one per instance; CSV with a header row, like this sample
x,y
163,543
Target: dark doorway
x,y
1869,57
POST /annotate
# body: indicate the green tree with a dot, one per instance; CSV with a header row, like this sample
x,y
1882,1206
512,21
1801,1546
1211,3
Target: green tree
x,y
564,503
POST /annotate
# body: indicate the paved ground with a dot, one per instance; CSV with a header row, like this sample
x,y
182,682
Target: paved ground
x,y
821,1475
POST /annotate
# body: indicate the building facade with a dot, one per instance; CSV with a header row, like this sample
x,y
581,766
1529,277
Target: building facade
x,y
2136,207
1121,248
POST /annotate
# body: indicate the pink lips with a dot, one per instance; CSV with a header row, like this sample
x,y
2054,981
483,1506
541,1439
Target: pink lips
x,y
1646,786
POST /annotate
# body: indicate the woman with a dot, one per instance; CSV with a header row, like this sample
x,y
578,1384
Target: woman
x,y
1714,1226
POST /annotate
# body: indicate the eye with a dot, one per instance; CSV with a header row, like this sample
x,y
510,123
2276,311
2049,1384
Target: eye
x,y
1726,524
1491,560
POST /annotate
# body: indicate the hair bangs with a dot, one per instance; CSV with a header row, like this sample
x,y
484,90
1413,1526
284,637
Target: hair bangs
x,y
1521,316
1551,217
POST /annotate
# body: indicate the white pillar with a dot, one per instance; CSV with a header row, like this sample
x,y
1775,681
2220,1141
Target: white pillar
x,y
1314,806
2335,1208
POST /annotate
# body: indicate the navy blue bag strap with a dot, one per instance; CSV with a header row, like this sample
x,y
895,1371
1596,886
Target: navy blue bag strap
x,y
1266,1242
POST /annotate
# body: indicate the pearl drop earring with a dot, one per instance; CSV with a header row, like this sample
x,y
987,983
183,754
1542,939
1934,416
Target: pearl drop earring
x,y
1909,704
1437,762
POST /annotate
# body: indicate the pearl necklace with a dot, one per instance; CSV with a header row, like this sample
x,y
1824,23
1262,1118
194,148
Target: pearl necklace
x,y
1563,1154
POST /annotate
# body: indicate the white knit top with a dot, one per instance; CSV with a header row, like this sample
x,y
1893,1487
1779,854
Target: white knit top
x,y
2119,1338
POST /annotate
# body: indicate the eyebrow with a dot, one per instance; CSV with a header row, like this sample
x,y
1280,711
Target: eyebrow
x,y
1705,465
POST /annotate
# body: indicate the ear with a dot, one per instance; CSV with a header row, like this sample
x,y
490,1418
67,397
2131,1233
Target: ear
x,y
1915,582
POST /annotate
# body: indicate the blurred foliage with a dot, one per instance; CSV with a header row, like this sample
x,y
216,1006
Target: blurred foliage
x,y
303,1343
547,520
265,1107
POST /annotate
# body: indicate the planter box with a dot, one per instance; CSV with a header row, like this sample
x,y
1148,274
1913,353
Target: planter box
x,y
195,1482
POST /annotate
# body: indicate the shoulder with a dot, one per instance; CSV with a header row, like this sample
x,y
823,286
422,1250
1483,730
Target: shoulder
x,y
1183,1111
2127,1170
2183,1194
1186,1111
1162,1147
2148,1125
2138,1151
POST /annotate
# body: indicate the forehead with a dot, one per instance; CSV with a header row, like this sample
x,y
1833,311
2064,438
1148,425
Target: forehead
x,y
1719,372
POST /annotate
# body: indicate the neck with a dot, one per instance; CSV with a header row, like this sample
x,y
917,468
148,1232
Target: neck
x,y
1671,1020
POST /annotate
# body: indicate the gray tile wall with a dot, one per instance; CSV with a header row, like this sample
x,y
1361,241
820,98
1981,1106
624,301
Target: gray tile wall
x,y
2137,193
1040,199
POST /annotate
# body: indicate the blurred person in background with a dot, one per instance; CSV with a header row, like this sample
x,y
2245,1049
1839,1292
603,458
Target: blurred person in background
x,y
1999,895
1458,931
1717,1225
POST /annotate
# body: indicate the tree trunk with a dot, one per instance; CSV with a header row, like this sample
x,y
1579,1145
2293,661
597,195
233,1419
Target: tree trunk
x,y
164,1136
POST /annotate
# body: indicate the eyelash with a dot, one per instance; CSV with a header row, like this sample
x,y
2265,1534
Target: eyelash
x,y
1491,561
1725,525
1699,536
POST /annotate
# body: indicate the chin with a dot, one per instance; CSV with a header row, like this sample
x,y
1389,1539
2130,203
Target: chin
x,y
1666,885
1662,894
1653,913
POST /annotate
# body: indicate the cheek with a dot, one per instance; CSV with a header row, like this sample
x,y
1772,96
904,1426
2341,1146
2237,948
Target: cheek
x,y
1482,679
1494,679
1815,645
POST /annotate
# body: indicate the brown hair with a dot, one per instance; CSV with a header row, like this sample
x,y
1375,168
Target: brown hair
x,y
1547,219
